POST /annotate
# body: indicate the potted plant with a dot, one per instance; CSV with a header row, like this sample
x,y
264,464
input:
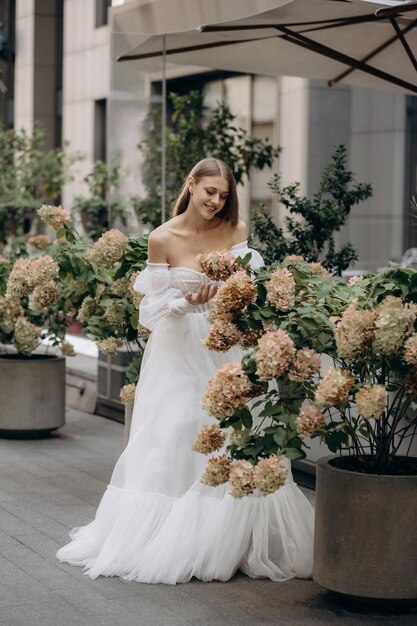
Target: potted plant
x,y
97,280
33,321
330,360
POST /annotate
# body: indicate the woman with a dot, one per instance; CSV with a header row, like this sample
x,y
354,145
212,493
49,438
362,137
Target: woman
x,y
157,522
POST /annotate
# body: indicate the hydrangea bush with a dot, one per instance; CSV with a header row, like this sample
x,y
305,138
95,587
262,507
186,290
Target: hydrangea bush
x,y
328,359
72,278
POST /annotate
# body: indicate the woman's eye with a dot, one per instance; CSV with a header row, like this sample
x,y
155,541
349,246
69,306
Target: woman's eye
x,y
210,193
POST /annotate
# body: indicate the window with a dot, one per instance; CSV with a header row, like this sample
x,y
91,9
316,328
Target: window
x,y
100,147
101,12
410,221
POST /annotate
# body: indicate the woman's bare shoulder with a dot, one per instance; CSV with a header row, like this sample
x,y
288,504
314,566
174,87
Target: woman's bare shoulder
x,y
158,244
239,232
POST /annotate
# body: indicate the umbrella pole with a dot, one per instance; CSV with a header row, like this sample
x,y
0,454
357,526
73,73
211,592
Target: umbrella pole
x,y
163,130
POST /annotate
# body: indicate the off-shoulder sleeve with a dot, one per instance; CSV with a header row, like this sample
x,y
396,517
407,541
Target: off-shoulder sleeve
x,y
160,298
241,249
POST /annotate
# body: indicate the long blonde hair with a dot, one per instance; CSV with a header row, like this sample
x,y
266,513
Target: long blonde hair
x,y
211,167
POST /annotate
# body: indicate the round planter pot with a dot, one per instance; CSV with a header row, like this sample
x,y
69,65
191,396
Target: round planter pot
x,y
365,535
32,395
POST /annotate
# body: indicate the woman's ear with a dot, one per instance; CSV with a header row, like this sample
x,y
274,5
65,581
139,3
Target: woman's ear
x,y
190,184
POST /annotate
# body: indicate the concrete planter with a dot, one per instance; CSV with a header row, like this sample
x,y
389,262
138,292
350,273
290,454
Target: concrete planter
x,y
32,392
365,543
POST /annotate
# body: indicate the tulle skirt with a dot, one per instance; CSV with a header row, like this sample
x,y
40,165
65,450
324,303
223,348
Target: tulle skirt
x,y
157,522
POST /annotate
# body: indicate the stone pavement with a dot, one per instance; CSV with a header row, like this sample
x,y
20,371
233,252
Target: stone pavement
x,y
49,486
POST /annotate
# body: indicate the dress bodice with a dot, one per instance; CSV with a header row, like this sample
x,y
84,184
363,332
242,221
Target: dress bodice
x,y
164,287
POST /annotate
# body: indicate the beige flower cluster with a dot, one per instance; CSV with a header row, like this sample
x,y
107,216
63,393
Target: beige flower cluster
x,y
318,270
275,351
394,322
241,479
249,337
10,310
44,295
269,474
67,348
354,331
333,388
87,309
55,216
123,287
305,364
26,336
209,439
281,289
227,391
40,242
114,314
237,292
240,438
127,393
371,401
410,350
218,266
109,249
309,420
223,334
110,345
294,258
217,471
353,280
20,282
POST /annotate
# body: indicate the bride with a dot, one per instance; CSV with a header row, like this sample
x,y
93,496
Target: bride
x,y
157,522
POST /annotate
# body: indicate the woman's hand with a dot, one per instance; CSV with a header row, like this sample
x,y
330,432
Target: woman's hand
x,y
203,295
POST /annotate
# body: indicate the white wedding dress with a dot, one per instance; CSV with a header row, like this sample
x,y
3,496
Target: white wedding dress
x,y
157,522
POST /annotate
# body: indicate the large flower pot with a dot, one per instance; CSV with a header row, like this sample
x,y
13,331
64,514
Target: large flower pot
x,y
365,534
32,392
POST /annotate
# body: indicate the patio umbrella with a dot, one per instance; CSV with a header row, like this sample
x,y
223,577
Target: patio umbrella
x,y
335,40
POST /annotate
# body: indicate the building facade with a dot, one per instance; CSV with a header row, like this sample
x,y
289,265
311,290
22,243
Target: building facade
x,y
60,69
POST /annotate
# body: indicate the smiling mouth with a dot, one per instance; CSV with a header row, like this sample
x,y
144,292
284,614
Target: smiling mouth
x,y
210,208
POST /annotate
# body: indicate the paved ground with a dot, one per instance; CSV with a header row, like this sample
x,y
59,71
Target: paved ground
x,y
48,486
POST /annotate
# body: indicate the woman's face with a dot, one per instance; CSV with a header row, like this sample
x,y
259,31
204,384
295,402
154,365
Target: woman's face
x,y
209,195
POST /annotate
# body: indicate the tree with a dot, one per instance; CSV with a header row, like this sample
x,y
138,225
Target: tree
x,y
195,132
322,216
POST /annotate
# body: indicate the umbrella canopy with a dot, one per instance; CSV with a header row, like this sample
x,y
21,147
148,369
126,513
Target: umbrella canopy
x,y
358,42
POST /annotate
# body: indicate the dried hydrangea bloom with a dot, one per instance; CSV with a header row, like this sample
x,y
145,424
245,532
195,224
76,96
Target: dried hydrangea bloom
x,y
305,364
26,336
110,345
44,295
87,309
20,281
40,242
270,474
371,401
10,310
275,351
121,287
223,334
43,269
353,280
354,331
144,332
394,322
310,419
109,249
240,438
410,350
249,337
241,479
333,388
281,289
294,258
228,391
209,439
237,292
127,393
54,216
114,314
217,471
218,266
67,348
318,270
